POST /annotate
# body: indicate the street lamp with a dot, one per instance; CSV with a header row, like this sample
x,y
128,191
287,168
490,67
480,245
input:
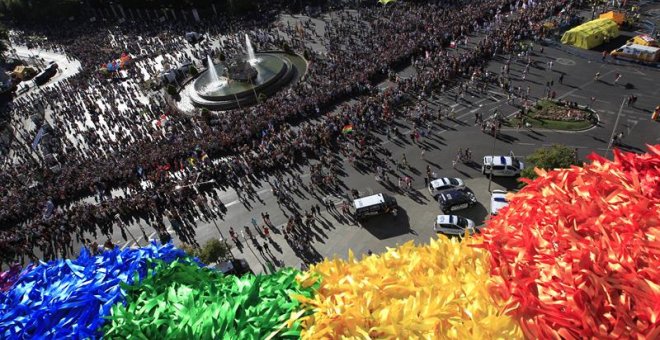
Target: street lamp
x,y
616,123
194,186
492,154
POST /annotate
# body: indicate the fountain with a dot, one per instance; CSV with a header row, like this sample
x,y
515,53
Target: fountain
x,y
212,72
241,82
252,59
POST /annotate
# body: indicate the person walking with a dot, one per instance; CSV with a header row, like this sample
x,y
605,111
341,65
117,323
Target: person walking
x,y
618,77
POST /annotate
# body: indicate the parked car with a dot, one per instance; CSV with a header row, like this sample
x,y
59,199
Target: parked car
x,y
454,225
505,166
497,201
456,199
439,185
238,267
374,205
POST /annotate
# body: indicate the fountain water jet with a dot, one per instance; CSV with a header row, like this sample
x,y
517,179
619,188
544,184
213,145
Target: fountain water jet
x,y
212,73
252,59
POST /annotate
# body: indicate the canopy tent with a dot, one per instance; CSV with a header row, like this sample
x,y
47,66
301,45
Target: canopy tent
x,y
617,17
591,34
24,72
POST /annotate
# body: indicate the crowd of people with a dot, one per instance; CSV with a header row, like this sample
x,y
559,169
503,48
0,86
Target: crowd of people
x,y
123,153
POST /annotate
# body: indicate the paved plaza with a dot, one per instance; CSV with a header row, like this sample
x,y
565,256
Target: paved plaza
x,y
335,233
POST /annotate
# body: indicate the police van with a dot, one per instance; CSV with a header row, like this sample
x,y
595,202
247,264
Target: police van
x,y
505,166
374,205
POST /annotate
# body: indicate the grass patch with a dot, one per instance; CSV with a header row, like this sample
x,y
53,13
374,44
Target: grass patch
x,y
537,117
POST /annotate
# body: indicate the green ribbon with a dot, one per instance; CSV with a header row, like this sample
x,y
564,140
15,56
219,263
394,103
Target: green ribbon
x,y
178,300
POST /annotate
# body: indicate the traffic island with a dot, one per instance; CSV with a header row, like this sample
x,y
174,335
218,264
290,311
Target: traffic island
x,y
555,115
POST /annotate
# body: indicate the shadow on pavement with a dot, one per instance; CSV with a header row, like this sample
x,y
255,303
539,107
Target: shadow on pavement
x,y
477,213
388,226
510,183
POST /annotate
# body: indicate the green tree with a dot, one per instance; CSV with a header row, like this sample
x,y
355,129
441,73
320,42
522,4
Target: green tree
x,y
556,156
213,251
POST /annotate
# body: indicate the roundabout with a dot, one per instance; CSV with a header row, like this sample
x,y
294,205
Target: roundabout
x,y
555,115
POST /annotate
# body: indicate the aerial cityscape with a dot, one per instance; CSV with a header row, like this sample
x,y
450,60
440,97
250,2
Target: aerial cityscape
x,y
328,169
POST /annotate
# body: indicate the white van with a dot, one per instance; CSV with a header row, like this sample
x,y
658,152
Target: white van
x,y
497,201
505,166
374,205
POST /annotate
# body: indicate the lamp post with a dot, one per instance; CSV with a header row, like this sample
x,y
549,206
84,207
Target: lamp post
x,y
194,186
492,154
616,123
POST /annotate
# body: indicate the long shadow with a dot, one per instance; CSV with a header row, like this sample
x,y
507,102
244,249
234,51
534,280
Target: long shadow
x,y
599,139
506,138
388,226
436,165
537,133
532,136
463,173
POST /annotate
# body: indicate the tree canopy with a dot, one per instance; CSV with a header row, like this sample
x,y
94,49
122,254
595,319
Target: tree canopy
x,y
556,156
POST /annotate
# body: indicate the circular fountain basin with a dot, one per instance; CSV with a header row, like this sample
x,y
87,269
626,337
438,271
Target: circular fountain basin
x,y
274,70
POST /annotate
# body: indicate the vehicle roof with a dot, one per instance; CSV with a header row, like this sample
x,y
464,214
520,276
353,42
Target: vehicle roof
x,y
452,219
649,49
442,181
496,205
369,201
645,37
498,160
454,194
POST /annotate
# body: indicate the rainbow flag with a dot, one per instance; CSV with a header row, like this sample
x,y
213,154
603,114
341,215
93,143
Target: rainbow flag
x,y
348,128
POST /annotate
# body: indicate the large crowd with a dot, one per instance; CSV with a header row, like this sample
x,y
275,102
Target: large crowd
x,y
122,152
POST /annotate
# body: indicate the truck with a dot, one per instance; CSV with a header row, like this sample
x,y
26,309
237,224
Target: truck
x,y
636,52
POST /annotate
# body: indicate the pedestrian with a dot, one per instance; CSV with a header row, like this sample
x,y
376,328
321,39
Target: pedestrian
x,y
266,247
423,154
616,80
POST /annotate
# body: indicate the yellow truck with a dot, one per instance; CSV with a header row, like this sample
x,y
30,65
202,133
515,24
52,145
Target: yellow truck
x,y
635,52
644,40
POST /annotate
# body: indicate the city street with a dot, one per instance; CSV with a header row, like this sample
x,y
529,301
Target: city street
x,y
335,235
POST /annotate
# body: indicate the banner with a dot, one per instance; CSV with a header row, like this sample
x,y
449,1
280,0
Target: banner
x,y
37,139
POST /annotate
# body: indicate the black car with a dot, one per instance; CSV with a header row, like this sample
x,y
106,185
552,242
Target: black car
x,y
457,199
238,267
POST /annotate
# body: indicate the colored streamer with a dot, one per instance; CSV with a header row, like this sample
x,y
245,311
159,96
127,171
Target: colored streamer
x,y
427,291
577,250
69,298
182,301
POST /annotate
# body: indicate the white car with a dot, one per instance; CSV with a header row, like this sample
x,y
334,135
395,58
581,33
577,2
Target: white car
x,y
439,185
497,201
505,166
454,225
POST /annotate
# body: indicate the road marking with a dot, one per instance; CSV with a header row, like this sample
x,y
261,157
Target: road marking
x,y
526,144
581,87
169,231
